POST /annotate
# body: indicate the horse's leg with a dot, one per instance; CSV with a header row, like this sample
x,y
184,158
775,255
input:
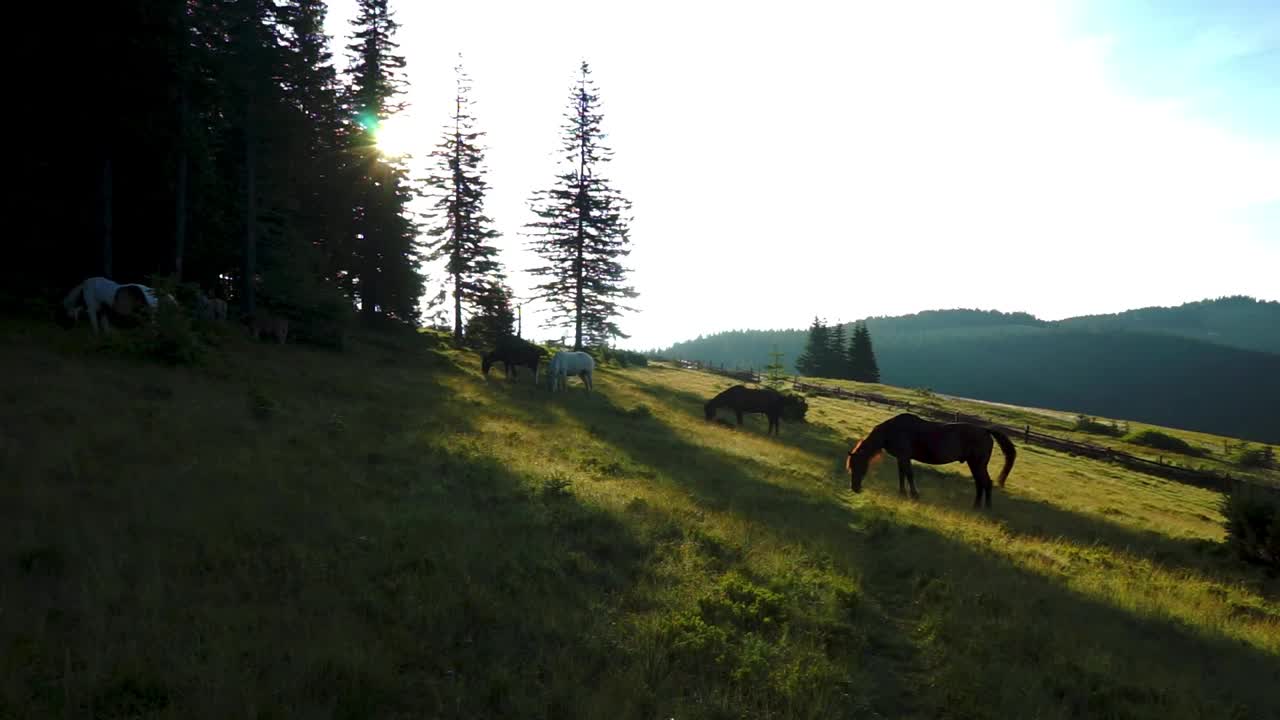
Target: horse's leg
x,y
911,479
981,483
982,479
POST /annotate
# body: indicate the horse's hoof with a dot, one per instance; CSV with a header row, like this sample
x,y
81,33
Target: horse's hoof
x,y
915,496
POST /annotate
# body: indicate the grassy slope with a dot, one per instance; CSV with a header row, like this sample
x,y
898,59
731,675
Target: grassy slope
x,y
1214,454
384,533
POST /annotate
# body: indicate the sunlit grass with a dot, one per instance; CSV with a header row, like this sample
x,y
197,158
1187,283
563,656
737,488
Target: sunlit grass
x,y
406,537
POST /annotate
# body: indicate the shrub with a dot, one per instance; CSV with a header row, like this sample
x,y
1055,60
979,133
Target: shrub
x,y
318,314
1255,457
171,339
1253,523
1086,424
794,407
1162,441
620,358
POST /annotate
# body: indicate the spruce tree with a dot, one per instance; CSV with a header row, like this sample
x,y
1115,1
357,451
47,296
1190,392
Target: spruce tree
x,y
775,371
465,233
495,317
862,356
582,230
812,361
389,281
836,363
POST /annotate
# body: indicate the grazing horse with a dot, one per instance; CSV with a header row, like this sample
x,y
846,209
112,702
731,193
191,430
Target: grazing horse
x,y
264,322
102,298
908,437
742,399
512,353
210,309
566,363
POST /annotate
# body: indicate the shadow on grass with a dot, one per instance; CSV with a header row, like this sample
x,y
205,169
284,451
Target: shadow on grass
x,y
990,639
346,554
954,489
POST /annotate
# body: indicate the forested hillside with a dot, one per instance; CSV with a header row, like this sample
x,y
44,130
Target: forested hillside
x,y
1107,365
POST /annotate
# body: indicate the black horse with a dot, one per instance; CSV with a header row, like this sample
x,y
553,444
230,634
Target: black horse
x,y
513,352
742,399
908,437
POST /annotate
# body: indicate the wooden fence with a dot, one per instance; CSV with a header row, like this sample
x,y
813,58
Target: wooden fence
x,y
1200,478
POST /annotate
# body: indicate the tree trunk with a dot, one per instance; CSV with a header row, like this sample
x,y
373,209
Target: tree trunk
x,y
251,218
106,217
180,194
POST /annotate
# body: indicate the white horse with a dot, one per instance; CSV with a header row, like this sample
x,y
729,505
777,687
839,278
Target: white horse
x,y
566,363
97,295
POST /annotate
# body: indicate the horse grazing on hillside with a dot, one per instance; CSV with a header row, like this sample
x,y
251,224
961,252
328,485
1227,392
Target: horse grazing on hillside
x,y
566,363
742,399
264,322
103,299
513,353
908,437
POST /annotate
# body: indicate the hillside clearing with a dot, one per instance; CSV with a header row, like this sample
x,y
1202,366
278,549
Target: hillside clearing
x,y
385,533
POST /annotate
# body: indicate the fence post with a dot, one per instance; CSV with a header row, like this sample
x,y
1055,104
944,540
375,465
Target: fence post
x,y
1026,434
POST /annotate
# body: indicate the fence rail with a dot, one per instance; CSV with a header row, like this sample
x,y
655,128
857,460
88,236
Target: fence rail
x,y
1200,478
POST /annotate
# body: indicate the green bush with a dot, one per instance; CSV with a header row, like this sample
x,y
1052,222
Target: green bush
x,y
1250,456
1086,424
794,407
619,358
318,314
171,338
1162,441
1253,523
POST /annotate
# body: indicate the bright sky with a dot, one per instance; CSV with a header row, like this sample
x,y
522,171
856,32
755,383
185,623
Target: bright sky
x,y
870,158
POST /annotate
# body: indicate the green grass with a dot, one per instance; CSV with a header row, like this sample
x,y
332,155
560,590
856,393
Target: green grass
x,y
384,533
1210,452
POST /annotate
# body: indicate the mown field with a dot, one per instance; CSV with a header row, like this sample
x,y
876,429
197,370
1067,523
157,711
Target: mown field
x,y
384,533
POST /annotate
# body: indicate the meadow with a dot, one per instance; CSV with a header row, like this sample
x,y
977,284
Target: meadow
x,y
385,533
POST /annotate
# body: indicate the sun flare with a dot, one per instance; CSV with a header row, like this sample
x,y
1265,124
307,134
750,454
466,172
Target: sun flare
x,y
394,136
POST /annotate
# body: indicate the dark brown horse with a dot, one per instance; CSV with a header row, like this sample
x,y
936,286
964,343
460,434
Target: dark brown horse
x,y
512,353
908,437
742,399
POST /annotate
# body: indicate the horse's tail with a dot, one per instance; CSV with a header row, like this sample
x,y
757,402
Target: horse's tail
x,y
1010,452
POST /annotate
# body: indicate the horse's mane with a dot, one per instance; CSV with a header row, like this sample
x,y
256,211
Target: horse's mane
x,y
848,460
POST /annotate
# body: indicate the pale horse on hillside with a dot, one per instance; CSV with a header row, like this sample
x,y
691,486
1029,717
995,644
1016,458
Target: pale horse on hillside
x,y
566,363
101,298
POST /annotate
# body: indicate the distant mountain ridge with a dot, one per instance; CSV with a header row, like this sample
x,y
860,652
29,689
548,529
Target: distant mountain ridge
x,y
1236,321
1212,365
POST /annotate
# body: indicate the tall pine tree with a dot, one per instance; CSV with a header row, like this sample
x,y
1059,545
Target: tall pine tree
x,y
862,356
775,371
495,317
390,283
465,235
836,365
583,229
812,361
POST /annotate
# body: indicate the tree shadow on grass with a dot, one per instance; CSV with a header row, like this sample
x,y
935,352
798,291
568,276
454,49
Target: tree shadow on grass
x,y
954,489
1005,641
347,554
